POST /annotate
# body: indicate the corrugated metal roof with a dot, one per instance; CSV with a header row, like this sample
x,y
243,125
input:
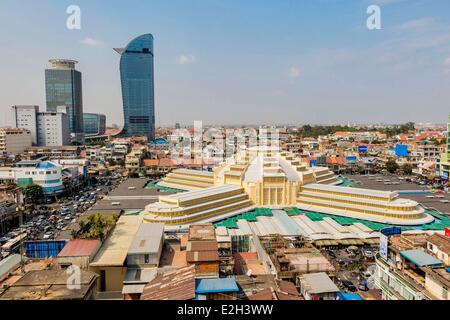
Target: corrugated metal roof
x,y
177,285
204,286
80,248
420,258
316,283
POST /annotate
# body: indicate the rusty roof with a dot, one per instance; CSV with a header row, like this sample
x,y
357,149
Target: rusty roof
x,y
202,256
265,294
176,285
441,241
205,231
202,246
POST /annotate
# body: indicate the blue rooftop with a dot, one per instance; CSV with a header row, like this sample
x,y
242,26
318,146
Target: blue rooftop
x,y
45,165
420,258
204,286
349,296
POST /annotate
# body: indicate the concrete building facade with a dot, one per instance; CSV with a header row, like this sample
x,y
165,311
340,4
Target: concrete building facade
x,y
14,141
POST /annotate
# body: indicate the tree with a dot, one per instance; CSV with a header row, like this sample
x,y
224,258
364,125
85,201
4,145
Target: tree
x,y
33,193
407,169
96,226
391,166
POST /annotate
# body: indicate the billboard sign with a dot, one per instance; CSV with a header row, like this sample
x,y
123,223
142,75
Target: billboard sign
x,y
401,150
312,163
351,159
384,240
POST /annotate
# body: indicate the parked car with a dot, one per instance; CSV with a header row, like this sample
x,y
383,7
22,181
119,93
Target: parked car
x,y
369,254
362,285
349,285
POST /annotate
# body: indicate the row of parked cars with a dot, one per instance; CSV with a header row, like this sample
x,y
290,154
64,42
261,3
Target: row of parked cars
x,y
45,221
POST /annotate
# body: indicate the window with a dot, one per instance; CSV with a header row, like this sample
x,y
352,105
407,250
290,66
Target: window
x,y
147,258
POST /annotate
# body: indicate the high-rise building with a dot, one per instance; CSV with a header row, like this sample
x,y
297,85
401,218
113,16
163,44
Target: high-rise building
x,y
137,79
64,88
25,118
47,128
94,124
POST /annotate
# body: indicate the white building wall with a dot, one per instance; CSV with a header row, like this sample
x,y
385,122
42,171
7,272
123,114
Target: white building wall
x,y
436,288
25,117
53,129
46,177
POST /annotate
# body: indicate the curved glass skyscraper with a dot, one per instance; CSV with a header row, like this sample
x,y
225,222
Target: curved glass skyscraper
x,y
136,73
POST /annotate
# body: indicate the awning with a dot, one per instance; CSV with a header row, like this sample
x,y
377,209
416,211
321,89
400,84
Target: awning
x,y
324,243
372,241
133,288
420,258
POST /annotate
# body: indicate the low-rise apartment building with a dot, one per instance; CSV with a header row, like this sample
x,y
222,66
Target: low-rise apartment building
x,y
407,269
14,141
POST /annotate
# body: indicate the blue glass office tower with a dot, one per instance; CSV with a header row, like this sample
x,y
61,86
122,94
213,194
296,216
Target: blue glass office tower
x,y
94,124
137,79
63,88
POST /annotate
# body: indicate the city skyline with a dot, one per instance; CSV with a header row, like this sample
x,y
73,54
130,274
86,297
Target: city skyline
x,y
226,62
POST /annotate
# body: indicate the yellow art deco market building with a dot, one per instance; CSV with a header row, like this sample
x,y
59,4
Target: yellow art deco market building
x,y
266,177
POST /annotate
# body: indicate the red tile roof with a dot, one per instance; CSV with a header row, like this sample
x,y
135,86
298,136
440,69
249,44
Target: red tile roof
x,y
80,248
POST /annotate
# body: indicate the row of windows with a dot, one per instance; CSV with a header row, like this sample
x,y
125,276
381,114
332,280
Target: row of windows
x,y
40,172
351,195
375,213
47,181
407,208
201,207
203,216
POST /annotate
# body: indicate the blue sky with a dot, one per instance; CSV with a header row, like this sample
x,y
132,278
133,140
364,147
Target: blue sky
x,y
241,61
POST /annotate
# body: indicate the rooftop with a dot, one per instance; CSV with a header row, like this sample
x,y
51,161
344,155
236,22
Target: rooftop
x,y
204,286
176,285
48,285
147,239
9,263
441,241
420,258
80,248
317,283
115,249
200,232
